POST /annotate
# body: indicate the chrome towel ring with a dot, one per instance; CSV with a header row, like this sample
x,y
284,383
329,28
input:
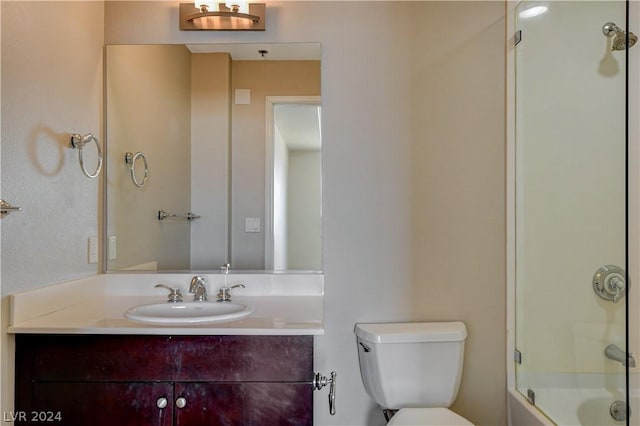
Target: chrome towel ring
x,y
78,142
131,159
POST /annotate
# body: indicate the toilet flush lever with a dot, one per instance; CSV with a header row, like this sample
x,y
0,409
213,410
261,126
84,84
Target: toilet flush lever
x,y
320,381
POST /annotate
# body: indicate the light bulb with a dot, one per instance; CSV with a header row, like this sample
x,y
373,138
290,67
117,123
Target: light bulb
x,y
240,6
206,6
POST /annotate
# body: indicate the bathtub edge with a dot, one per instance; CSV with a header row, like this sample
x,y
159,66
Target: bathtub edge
x,y
521,413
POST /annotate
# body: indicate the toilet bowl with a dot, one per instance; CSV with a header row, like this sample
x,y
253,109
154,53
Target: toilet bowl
x,y
414,368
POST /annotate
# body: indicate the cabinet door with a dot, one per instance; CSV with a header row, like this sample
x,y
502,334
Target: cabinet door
x,y
247,404
101,404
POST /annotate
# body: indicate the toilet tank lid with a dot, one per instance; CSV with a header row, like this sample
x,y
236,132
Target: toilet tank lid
x,y
412,332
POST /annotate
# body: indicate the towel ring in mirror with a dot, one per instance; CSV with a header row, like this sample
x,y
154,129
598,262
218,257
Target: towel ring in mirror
x,y
131,159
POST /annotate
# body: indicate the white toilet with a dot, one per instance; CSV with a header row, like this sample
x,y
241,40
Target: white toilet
x,y
414,368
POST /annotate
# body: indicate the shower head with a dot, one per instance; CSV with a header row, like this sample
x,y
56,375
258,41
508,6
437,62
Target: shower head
x,y
620,39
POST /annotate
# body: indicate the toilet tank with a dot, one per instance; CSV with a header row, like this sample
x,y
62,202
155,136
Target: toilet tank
x,y
415,364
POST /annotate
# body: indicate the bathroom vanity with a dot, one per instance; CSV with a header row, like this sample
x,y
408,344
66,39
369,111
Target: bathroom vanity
x,y
166,380
84,363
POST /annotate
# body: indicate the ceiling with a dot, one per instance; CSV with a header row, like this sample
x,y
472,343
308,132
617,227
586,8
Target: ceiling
x,y
299,126
276,51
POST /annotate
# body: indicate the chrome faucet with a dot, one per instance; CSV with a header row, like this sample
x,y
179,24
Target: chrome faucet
x,y
199,289
615,353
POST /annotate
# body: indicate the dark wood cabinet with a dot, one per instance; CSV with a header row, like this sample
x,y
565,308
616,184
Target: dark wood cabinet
x,y
164,380
99,404
244,404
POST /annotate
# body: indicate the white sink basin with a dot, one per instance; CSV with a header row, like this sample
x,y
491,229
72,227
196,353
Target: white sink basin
x,y
185,313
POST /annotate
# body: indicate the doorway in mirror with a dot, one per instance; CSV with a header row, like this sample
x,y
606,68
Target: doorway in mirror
x,y
293,237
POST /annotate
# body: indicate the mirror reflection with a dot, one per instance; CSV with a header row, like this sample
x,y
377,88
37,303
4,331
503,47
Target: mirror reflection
x,y
228,139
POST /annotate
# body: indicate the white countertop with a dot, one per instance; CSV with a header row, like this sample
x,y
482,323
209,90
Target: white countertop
x,y
290,304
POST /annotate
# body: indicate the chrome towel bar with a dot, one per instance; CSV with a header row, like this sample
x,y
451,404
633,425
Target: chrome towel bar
x,y
162,215
6,208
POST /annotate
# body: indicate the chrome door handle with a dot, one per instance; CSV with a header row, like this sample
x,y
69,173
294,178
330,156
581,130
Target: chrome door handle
x,y
181,402
162,402
319,381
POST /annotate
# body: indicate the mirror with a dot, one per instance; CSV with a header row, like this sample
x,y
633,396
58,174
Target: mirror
x,y
213,157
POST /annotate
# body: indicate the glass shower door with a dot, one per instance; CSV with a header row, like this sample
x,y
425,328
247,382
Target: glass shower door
x,y
571,210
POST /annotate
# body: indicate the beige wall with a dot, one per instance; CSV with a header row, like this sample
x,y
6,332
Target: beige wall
x,y
210,139
262,78
52,86
149,111
391,86
458,209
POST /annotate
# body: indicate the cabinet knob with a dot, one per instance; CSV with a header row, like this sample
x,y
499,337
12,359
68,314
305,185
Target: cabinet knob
x,y
162,402
181,402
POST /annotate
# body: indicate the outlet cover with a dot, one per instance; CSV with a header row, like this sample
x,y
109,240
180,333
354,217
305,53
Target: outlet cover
x,y
93,249
113,253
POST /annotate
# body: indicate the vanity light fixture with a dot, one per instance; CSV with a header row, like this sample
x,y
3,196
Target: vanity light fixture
x,y
235,15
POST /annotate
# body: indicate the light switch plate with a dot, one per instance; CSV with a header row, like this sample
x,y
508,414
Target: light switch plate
x,y
251,224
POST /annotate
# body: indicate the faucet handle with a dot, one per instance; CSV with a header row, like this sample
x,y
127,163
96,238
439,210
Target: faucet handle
x,y
617,288
174,293
223,293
